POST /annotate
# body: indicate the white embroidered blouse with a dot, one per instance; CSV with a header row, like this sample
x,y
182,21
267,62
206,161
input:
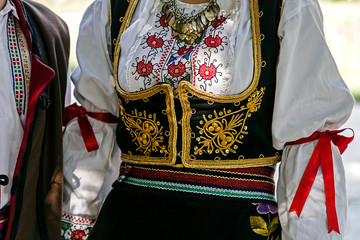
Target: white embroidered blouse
x,y
156,56
310,96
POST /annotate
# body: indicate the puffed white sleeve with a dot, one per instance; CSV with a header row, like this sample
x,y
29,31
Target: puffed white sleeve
x,y
310,96
88,175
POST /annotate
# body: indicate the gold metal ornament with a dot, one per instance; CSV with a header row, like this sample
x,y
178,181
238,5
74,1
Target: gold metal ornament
x,y
194,25
165,9
210,14
188,29
215,7
203,19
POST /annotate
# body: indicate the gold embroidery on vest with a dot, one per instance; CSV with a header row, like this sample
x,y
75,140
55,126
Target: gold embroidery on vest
x,y
110,13
220,132
184,93
146,132
211,143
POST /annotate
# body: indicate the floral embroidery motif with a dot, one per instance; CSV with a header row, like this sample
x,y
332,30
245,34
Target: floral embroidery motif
x,y
217,22
262,227
145,66
144,69
184,50
207,72
144,72
220,132
161,58
75,228
213,42
154,42
77,235
265,208
176,70
146,131
163,21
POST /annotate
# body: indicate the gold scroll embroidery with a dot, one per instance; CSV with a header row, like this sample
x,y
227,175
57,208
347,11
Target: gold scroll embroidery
x,y
147,133
146,130
219,134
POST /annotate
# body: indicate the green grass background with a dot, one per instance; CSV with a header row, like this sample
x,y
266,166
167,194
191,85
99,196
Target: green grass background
x,y
341,25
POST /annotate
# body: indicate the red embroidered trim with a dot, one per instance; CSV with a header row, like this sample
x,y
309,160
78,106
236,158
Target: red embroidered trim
x,y
195,56
248,179
20,65
144,69
163,58
154,42
235,182
77,219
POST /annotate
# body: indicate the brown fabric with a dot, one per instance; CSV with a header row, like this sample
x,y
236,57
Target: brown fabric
x,y
28,227
41,205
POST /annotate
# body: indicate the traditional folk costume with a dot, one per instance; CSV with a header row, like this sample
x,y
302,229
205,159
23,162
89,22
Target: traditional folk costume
x,y
34,50
206,108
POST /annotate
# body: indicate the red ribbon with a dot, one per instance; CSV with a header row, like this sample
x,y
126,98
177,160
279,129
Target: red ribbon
x,y
322,156
87,132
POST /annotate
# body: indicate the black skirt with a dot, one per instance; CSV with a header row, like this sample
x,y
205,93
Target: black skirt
x,y
134,213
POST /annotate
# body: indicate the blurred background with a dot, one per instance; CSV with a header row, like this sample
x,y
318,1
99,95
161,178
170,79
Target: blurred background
x,y
342,30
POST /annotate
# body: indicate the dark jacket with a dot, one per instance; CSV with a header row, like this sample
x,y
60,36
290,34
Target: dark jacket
x,y
36,201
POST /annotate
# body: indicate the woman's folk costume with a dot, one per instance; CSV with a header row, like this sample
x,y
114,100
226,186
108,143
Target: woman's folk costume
x,y
209,97
34,50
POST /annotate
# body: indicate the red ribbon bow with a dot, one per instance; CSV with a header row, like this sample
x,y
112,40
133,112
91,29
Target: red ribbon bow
x,y
87,132
322,156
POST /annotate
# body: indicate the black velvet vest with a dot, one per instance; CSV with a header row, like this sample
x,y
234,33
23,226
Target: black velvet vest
x,y
191,128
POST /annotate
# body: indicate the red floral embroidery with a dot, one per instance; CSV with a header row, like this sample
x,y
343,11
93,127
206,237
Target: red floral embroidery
x,y
176,70
163,21
217,22
207,72
144,69
154,42
213,41
183,50
77,235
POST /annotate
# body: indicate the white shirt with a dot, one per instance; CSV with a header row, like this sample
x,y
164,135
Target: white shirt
x,y
11,125
310,96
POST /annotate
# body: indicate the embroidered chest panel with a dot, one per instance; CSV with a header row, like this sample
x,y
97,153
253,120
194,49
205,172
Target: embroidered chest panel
x,y
20,65
159,58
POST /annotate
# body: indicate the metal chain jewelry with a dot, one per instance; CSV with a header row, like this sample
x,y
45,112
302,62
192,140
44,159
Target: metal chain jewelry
x,y
189,28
